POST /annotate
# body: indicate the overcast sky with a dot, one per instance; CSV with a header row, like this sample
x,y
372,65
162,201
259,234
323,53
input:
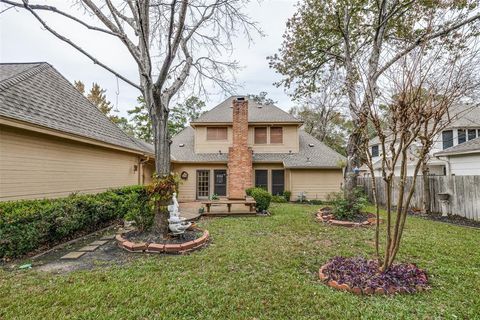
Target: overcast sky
x,y
22,39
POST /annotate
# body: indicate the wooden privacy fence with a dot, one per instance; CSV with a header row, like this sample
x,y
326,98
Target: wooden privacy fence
x,y
463,191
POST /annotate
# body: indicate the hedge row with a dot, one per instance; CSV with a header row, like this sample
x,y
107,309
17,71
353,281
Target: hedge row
x,y
29,224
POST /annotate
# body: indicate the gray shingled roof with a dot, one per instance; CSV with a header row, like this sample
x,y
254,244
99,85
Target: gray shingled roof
x,y
465,116
461,116
256,113
318,156
39,94
472,146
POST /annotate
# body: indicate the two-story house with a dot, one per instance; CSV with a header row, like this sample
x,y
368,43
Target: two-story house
x,y
464,126
239,144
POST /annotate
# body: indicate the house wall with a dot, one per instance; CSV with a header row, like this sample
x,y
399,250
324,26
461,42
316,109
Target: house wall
x,y
316,183
290,141
35,165
465,165
187,188
202,145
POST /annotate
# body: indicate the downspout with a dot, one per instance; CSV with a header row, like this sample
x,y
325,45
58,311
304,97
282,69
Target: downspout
x,y
140,170
446,159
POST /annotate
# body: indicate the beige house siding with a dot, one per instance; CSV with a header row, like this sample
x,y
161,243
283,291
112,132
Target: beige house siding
x,y
187,188
290,140
316,183
202,145
35,165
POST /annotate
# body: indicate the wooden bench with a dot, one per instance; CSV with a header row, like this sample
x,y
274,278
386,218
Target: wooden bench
x,y
249,201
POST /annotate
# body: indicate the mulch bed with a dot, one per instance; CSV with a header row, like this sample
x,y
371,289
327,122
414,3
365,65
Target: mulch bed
x,y
364,219
361,276
453,219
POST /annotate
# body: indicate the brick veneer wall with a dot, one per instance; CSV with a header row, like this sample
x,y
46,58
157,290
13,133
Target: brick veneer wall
x,y
239,154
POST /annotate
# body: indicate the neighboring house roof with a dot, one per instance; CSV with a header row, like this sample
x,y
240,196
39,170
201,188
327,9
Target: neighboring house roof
x,y
471,146
38,94
461,116
316,156
222,113
465,116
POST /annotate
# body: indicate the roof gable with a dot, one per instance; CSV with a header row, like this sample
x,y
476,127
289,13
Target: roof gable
x,y
39,94
259,113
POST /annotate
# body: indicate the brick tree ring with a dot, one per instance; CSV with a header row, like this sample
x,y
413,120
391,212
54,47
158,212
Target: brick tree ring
x,y
419,281
164,247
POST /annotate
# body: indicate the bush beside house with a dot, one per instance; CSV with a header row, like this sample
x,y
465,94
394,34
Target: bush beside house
x,y
29,224
261,196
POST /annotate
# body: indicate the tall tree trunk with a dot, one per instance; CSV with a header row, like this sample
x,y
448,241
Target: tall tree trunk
x,y
426,188
159,115
353,161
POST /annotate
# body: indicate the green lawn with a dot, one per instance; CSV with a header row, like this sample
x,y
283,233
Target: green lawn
x,y
258,268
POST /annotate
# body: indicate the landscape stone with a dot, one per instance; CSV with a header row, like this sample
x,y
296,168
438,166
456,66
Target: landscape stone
x,y
98,243
73,255
89,248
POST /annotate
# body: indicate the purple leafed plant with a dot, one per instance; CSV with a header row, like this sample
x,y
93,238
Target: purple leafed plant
x,y
363,273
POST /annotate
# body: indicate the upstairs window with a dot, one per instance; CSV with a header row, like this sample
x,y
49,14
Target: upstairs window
x,y
260,135
447,139
276,135
472,134
375,152
216,133
462,137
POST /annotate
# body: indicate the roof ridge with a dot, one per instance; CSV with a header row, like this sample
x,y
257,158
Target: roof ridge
x,y
24,75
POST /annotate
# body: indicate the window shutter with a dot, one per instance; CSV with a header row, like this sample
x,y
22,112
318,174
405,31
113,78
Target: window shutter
x,y
260,135
276,135
216,133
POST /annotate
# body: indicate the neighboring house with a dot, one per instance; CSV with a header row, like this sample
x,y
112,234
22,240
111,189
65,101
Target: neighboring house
x,y
462,159
464,126
54,142
240,143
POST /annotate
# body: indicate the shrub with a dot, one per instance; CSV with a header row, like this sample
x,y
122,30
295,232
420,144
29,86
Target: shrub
x,y
28,224
287,195
262,198
138,209
278,199
249,191
343,210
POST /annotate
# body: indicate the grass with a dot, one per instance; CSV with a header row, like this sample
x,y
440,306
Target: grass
x,y
258,268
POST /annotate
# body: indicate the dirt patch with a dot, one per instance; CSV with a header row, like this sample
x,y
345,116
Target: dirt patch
x,y
106,255
452,219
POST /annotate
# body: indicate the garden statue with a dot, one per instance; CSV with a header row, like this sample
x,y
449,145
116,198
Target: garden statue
x,y
177,224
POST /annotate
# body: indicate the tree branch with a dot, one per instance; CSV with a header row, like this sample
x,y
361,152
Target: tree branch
x,y
81,50
422,39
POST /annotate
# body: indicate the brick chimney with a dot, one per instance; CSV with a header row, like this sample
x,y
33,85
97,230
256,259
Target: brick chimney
x,y
239,154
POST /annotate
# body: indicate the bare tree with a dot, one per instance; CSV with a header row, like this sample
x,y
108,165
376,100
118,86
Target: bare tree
x,y
372,35
171,42
422,91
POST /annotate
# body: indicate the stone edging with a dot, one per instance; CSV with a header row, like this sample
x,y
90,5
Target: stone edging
x,y
328,218
359,291
163,248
